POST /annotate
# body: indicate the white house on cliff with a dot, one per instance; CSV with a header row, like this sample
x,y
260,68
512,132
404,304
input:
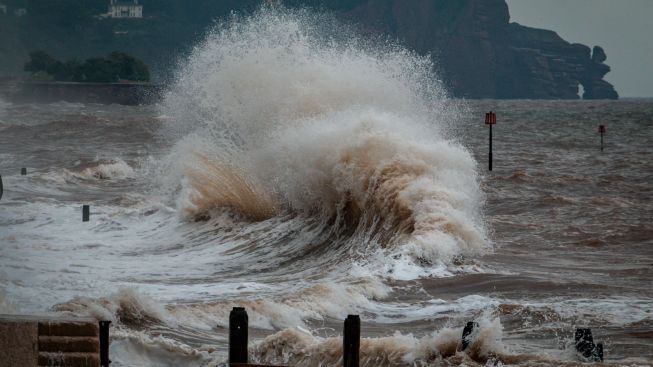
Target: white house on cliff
x,y
125,9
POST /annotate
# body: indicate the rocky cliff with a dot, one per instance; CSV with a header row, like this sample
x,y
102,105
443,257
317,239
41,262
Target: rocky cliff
x,y
478,52
482,55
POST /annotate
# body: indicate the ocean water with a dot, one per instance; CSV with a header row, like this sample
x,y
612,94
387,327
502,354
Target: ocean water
x,y
305,174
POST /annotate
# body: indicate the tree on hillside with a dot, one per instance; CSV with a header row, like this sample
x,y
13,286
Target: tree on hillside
x,y
128,67
99,70
41,61
115,67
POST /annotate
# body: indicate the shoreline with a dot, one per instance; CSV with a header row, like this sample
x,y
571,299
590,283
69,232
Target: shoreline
x,y
103,93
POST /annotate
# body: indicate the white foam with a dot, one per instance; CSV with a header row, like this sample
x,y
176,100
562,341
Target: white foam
x,y
333,118
138,349
113,169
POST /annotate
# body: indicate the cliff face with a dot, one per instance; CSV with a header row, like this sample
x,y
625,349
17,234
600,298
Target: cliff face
x,y
482,55
478,52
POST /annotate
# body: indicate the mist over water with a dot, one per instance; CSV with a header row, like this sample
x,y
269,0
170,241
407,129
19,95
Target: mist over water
x,y
306,173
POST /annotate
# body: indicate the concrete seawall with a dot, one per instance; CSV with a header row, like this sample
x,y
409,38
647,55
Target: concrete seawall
x,y
31,341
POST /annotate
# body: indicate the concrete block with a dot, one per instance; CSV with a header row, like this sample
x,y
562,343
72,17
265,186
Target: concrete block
x,y
69,359
69,328
31,341
69,344
18,343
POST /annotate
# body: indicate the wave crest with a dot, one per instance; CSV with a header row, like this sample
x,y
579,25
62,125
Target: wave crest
x,y
110,169
273,114
217,185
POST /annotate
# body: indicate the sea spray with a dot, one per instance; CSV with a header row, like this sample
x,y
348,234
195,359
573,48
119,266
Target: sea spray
x,y
302,269
273,114
311,171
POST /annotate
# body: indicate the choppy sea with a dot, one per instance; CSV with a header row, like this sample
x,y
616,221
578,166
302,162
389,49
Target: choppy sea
x,y
307,176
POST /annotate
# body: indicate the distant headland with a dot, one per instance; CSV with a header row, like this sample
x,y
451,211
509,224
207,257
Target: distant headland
x,y
118,78
479,53
482,55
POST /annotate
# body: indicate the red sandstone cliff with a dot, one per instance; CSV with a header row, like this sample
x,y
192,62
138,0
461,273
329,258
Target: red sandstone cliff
x,y
482,55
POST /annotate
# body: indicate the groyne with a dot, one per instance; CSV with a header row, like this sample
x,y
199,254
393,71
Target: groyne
x,y
49,341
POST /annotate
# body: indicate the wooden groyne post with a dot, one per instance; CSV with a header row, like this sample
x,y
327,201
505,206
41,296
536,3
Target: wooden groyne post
x,y
238,323
104,343
585,345
351,341
86,213
238,335
467,333
583,340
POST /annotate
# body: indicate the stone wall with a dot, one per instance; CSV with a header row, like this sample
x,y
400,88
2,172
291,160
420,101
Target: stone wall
x,y
29,341
18,342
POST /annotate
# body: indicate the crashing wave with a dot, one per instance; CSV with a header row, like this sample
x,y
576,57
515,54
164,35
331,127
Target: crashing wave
x,y
274,115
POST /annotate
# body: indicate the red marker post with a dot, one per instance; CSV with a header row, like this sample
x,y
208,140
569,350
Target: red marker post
x,y
602,131
490,119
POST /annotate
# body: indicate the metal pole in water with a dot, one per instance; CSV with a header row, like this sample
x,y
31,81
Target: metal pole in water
x,y
351,341
86,213
490,119
238,323
602,131
490,148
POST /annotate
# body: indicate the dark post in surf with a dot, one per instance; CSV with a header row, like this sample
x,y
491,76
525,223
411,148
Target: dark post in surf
x,y
104,343
602,131
238,324
86,213
351,341
585,345
490,119
467,333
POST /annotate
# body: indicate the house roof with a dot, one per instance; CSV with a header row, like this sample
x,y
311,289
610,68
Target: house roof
x,y
125,3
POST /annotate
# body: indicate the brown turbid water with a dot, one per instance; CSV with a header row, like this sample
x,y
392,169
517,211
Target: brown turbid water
x,y
306,176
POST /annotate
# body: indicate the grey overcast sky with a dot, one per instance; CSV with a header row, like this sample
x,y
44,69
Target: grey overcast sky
x,y
624,28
